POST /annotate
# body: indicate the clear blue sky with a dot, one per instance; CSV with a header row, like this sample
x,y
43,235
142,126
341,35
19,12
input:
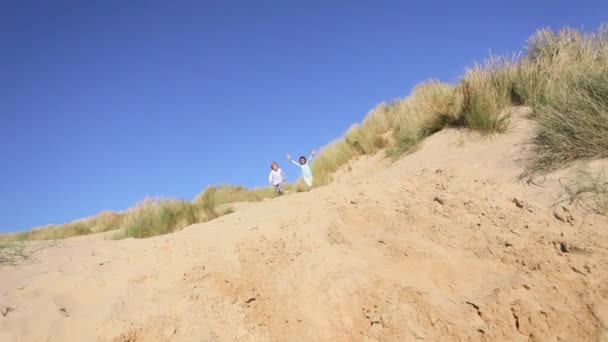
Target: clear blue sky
x,y
105,102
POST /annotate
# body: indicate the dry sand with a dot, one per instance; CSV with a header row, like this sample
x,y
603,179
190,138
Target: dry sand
x,y
443,245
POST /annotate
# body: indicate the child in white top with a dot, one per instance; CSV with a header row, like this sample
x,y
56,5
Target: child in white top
x,y
277,178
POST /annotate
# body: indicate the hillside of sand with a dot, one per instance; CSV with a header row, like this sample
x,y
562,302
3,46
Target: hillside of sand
x,y
443,245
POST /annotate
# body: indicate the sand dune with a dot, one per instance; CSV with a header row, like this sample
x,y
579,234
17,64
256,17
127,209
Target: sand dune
x,y
443,245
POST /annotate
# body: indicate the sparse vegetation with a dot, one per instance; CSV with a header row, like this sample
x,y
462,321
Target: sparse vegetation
x,y
588,189
12,253
562,75
103,222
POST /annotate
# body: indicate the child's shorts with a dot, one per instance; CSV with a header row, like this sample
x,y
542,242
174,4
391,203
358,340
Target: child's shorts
x,y
279,188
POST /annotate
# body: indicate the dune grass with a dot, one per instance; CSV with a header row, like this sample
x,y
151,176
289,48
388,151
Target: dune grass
x,y
562,75
487,91
569,94
156,216
103,222
12,253
431,106
212,200
588,189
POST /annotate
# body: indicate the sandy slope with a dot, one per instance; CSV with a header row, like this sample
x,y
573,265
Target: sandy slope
x,y
443,245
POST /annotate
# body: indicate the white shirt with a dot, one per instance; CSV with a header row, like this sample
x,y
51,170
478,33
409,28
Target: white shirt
x,y
276,177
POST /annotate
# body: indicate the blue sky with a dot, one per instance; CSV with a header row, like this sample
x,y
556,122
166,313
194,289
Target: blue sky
x,y
105,102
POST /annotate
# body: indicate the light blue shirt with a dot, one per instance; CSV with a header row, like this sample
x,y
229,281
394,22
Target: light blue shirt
x,y
306,172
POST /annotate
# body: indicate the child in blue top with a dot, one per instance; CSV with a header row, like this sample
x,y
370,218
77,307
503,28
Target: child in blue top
x,y
304,165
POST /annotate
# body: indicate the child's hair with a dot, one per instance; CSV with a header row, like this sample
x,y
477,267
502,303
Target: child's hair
x,y
302,157
273,164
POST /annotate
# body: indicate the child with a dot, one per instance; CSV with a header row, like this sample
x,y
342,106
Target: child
x,y
304,165
277,178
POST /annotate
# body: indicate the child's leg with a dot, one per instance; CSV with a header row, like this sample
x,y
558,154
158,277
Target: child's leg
x,y
308,180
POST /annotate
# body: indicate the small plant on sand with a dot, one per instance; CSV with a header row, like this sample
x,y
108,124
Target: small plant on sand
x,y
12,253
589,190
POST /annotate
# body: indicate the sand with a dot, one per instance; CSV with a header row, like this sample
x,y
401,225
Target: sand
x,y
443,245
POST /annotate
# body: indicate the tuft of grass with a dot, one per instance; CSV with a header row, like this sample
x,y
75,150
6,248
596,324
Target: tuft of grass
x,y
156,216
12,253
208,202
567,133
488,90
331,158
569,93
224,194
431,106
589,190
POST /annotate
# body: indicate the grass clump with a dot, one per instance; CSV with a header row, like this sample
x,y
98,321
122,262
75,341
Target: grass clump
x,y
431,106
156,216
12,253
569,94
213,200
224,194
488,90
589,190
398,126
208,202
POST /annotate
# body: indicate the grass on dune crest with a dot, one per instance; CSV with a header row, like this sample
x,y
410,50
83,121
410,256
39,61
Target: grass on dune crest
x,y
488,90
568,89
153,216
156,216
12,253
103,222
562,75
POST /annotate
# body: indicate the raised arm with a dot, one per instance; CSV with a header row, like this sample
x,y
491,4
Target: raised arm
x,y
312,155
292,161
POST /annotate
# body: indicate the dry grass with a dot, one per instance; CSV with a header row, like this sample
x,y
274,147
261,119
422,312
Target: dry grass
x,y
488,90
232,193
156,216
569,93
589,190
12,253
213,197
103,222
431,106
